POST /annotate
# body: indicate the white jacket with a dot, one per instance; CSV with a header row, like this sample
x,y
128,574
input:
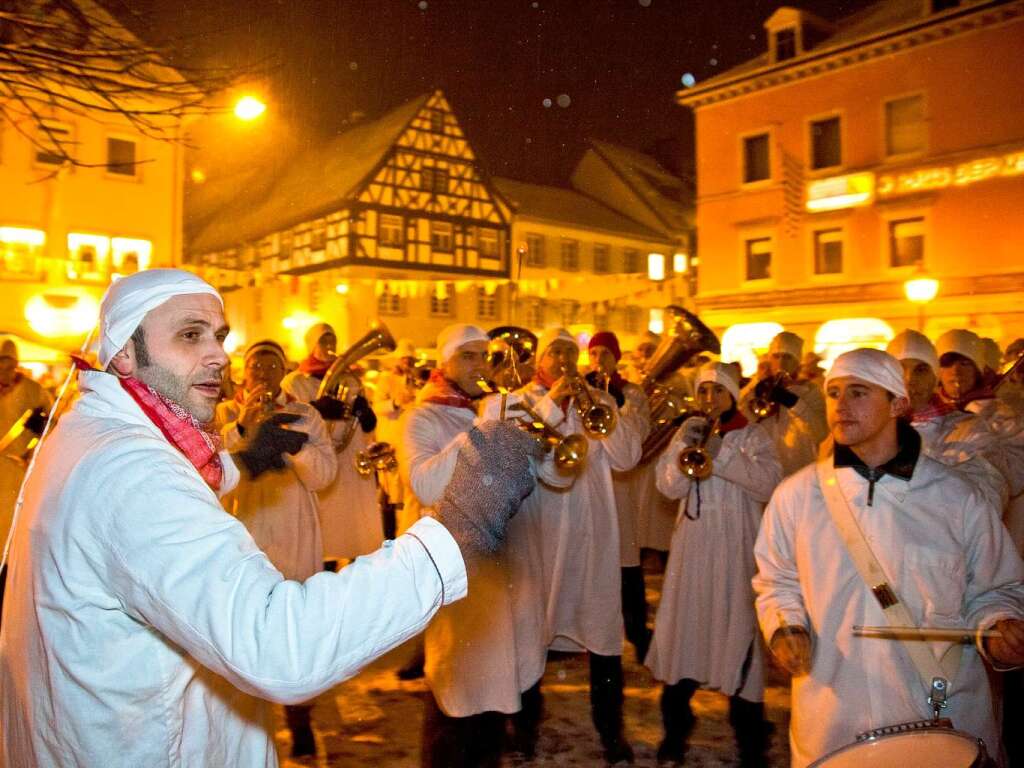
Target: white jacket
x,y
142,625
949,560
796,432
629,487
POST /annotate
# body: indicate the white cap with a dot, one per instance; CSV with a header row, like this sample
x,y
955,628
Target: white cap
x,y
991,353
454,336
787,343
404,348
912,345
871,365
315,333
720,373
962,342
550,336
129,299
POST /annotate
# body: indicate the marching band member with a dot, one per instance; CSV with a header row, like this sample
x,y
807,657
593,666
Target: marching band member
x,y
1012,391
705,633
797,423
350,519
945,558
634,414
645,348
280,509
577,530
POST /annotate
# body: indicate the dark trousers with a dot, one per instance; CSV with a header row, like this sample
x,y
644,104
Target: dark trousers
x,y
606,698
1013,716
461,742
526,722
634,610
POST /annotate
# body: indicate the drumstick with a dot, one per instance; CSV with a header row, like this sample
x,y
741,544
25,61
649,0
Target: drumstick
x,y
929,633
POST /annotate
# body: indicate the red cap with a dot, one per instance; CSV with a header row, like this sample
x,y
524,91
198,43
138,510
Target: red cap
x,y
608,340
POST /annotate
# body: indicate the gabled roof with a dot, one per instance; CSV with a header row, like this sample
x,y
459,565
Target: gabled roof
x,y
566,206
310,184
663,192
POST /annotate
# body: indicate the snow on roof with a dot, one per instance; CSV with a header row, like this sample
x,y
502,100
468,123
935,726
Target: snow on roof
x,y
567,206
306,186
663,192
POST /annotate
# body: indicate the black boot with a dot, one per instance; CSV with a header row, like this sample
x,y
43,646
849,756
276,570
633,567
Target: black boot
x,y
677,719
634,610
752,731
413,668
526,723
606,707
303,742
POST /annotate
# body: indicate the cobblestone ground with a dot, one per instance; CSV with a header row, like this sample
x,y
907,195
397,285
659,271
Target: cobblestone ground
x,y
375,719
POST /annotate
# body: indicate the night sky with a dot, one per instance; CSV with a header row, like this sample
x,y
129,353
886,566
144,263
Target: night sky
x,y
615,64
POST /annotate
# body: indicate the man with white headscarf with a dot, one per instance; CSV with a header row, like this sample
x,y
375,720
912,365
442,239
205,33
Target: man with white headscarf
x,y
575,531
350,519
796,422
477,663
942,553
143,626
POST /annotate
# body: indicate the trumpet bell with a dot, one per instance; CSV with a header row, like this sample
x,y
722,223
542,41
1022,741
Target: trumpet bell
x,y
571,452
695,463
378,457
599,421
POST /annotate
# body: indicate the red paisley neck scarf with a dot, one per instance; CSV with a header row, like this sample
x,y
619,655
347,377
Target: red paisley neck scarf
x,y
440,391
937,406
314,366
736,421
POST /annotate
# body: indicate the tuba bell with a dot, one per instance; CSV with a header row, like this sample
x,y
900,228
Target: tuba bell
x,y
342,384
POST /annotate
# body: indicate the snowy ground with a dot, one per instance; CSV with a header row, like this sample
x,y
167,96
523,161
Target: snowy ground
x,y
375,719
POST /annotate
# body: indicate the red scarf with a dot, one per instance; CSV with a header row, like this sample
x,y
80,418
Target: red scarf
x,y
439,391
736,421
982,392
937,406
314,366
181,429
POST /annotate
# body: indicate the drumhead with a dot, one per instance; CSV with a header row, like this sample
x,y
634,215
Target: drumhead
x,y
923,749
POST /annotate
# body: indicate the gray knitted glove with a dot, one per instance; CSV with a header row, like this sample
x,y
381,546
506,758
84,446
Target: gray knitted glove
x,y
492,476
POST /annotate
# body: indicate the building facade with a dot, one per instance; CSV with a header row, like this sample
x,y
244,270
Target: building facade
x,y
850,158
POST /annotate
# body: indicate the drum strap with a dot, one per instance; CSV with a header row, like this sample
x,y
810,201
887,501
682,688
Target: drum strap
x,y
936,675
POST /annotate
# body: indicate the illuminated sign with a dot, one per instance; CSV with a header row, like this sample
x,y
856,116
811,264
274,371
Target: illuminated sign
x,y
837,192
943,176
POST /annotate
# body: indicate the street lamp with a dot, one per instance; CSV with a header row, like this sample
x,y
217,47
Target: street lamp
x,y
248,108
920,290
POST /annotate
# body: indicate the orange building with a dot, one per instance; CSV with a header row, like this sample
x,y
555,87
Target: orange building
x,y
850,158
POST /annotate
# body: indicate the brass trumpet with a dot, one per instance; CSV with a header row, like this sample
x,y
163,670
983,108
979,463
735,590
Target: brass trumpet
x,y
760,405
695,460
599,420
378,457
569,451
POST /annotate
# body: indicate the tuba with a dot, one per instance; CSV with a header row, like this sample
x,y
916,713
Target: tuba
x,y
341,384
687,337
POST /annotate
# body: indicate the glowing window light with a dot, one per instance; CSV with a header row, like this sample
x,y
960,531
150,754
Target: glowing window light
x,y
22,236
656,266
679,263
837,336
232,342
342,289
838,192
249,108
99,243
921,290
121,247
61,315
743,343
198,175
656,320
290,323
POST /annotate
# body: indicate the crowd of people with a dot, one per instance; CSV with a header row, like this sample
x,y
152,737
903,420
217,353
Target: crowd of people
x,y
188,549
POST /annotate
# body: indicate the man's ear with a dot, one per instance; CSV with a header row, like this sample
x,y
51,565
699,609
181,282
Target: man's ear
x,y
898,406
123,363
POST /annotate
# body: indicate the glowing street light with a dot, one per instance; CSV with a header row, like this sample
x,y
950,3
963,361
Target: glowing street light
x,y
249,108
920,290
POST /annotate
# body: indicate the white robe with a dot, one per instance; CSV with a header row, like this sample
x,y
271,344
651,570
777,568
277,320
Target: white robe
x,y
797,432
482,652
706,629
575,530
634,415
23,396
949,560
142,625
350,520
279,508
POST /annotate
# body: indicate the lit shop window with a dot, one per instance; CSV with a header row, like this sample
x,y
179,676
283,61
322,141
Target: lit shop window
x,y
743,343
391,230
487,243
838,336
88,256
130,255
759,258
20,249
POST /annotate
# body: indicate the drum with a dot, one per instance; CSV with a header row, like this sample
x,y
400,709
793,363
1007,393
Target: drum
x,y
922,744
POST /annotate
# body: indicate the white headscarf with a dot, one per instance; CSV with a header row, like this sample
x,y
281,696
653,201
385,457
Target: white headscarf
x,y
550,336
962,342
911,345
871,365
314,334
719,373
454,336
129,299
787,343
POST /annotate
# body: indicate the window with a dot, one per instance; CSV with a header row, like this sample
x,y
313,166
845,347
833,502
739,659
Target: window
x,y
21,249
759,258
55,142
318,238
535,314
828,252
437,121
571,255
390,302
121,157
756,160
434,180
130,254
441,237
441,303
570,311
906,242
826,147
535,251
487,243
944,5
904,125
87,256
631,260
391,231
785,44
634,319
486,305
601,257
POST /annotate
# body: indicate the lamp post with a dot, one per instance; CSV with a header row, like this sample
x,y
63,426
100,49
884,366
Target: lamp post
x,y
920,290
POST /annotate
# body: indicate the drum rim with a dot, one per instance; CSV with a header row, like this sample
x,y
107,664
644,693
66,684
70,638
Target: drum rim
x,y
978,742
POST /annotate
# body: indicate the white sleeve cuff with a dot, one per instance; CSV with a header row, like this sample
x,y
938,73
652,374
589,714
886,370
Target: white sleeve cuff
x,y
444,553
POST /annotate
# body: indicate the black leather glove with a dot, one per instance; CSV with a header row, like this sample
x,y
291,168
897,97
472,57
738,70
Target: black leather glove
x,y
266,448
779,394
36,423
367,418
329,408
613,389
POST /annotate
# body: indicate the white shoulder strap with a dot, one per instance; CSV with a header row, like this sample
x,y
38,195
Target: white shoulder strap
x,y
936,676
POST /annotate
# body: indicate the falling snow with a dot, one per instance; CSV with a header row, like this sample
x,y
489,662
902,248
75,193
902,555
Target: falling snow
x,y
688,79
546,103
564,100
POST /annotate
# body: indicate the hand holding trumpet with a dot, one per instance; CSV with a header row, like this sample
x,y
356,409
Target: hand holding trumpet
x,y
257,406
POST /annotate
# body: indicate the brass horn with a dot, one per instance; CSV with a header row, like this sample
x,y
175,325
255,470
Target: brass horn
x,y
695,460
341,384
570,451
